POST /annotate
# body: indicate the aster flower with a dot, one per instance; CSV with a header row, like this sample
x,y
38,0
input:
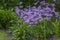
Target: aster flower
x,y
34,7
47,18
52,4
40,18
32,15
26,10
27,21
56,14
53,9
20,6
43,3
47,9
48,15
39,7
17,10
47,5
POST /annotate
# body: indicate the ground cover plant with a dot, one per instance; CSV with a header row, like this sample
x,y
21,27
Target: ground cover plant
x,y
38,22
29,19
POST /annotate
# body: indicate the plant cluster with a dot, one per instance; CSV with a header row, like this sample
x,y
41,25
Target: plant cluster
x,y
42,16
37,20
33,15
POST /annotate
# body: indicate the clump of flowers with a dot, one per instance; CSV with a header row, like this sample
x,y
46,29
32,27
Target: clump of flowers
x,y
33,15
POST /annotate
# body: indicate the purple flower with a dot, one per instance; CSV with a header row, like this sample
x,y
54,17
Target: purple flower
x,y
47,5
25,17
47,18
26,10
39,7
43,3
52,4
56,14
35,22
34,7
48,15
17,10
47,9
27,21
40,18
20,6
32,15
53,9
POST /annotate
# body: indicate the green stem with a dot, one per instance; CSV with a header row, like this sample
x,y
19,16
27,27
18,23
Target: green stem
x,y
44,33
56,28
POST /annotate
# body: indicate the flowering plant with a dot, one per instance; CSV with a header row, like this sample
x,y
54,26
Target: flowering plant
x,y
32,15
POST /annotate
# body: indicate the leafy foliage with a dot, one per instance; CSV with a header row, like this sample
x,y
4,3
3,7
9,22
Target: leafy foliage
x,y
40,31
8,4
11,4
7,18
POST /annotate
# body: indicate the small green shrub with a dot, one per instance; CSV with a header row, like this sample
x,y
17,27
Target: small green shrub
x,y
11,4
7,18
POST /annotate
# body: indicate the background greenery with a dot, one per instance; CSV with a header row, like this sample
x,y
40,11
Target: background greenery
x,y
11,4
